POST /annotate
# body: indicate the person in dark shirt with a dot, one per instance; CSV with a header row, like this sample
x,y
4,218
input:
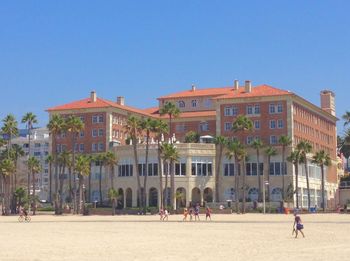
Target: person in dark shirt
x,y
298,226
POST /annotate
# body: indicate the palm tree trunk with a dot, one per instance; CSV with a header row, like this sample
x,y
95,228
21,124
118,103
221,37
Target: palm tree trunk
x,y
50,182
237,172
166,187
70,182
243,186
172,185
144,197
268,178
259,177
307,184
100,183
160,173
81,205
90,183
283,188
217,174
136,161
56,186
322,181
296,165
34,201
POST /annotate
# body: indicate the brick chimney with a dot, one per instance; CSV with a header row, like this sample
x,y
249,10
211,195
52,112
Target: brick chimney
x,y
120,100
236,85
328,101
93,96
248,86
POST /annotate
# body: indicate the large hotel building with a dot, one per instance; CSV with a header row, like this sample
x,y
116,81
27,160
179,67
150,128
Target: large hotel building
x,y
210,112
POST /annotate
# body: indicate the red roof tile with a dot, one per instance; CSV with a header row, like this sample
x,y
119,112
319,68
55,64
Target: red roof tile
x,y
199,92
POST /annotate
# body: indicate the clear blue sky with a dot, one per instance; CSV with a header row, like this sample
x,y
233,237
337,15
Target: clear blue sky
x,y
53,52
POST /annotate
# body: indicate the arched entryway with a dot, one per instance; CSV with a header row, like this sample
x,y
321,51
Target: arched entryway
x,y
229,194
180,198
153,197
128,197
120,200
196,196
253,194
276,194
208,195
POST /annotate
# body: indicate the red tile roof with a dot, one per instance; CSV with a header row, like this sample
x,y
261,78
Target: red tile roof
x,y
100,103
228,92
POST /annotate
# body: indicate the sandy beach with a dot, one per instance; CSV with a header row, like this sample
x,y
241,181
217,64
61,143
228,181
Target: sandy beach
x,y
226,237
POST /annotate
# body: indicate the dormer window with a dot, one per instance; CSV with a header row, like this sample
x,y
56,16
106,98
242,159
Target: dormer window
x,y
181,104
194,103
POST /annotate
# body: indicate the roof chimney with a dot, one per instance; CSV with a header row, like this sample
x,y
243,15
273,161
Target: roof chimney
x,y
193,87
328,101
236,85
93,96
248,86
120,100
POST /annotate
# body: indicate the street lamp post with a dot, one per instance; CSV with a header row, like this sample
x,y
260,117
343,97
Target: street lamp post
x,y
264,203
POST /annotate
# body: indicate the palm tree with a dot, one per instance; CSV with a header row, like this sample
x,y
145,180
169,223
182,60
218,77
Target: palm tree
x,y
170,155
74,126
243,155
101,159
10,129
285,141
64,160
234,151
20,194
270,152
346,118
294,158
257,144
92,159
305,147
172,111
82,167
146,125
113,196
160,128
242,124
34,167
111,161
50,160
17,152
7,168
29,118
321,158
55,127
132,128
220,143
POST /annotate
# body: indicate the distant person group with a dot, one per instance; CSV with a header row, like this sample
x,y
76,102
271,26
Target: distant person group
x,y
192,212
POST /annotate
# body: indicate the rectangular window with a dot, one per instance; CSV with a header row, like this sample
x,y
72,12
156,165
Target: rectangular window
x,y
254,169
100,132
272,169
272,108
81,147
76,147
227,111
257,109
155,169
273,139
229,169
94,119
150,169
272,124
94,133
249,110
37,145
277,168
250,139
81,134
37,153
234,111
204,126
228,126
94,147
193,169
194,103
279,108
100,118
280,124
248,169
257,124
82,118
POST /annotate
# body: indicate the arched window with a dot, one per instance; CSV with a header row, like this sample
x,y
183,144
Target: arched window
x,y
181,104
276,194
253,194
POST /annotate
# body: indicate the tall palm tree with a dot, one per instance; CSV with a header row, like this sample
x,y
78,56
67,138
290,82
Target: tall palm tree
x,y
7,168
113,196
63,160
82,167
50,160
172,111
55,127
294,158
17,152
146,125
101,159
346,118
92,159
244,157
74,126
234,151
110,162
170,155
285,141
10,129
29,119
132,128
305,147
270,152
242,124
34,167
257,144
220,143
160,128
321,158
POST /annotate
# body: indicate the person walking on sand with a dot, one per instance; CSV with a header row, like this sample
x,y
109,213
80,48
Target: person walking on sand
x,y
196,213
166,215
191,213
298,226
185,214
161,213
207,213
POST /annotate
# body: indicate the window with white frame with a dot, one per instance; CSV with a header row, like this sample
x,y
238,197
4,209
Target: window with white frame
x,y
272,109
94,132
202,166
257,109
194,103
228,111
272,124
273,139
229,169
257,124
180,168
82,134
94,147
252,168
81,147
100,146
100,132
181,104
250,140
234,110
204,126
125,170
276,168
280,124
279,107
97,119
228,126
249,109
